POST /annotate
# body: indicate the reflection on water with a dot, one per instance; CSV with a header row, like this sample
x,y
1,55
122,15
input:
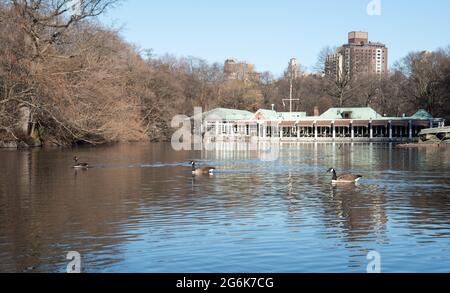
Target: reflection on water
x,y
140,210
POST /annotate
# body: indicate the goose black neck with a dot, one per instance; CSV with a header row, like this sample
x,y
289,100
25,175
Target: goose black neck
x,y
334,175
193,166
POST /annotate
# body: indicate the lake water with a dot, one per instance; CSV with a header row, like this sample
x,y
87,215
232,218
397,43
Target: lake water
x,y
140,210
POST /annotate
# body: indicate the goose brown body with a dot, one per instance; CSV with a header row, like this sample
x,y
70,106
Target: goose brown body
x,y
344,178
79,165
202,170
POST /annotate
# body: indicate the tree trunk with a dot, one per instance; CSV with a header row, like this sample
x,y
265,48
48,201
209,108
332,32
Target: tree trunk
x,y
24,120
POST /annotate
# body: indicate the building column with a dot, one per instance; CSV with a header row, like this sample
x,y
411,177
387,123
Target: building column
x,y
298,132
334,131
410,130
316,131
431,123
264,130
280,129
217,128
370,131
352,131
390,130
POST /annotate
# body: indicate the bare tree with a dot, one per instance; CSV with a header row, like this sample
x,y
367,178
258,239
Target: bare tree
x,y
427,73
45,21
319,67
366,89
339,88
73,89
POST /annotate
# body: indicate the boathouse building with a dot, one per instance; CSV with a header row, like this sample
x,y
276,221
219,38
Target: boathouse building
x,y
336,124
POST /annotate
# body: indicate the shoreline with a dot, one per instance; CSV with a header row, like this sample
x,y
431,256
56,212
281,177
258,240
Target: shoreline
x,y
423,145
20,145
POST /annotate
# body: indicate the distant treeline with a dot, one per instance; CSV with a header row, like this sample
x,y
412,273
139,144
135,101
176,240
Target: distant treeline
x,y
66,79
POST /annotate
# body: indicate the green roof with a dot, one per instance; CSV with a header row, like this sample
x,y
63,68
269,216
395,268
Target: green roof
x,y
274,115
364,113
422,114
356,113
268,114
292,116
227,114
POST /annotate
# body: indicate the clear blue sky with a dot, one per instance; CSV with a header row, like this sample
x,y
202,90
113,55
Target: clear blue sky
x,y
268,33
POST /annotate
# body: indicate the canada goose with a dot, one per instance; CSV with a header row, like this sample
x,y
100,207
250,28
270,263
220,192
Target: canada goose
x,y
202,170
344,178
79,165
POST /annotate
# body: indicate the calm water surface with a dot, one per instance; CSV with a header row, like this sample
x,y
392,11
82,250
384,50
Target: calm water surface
x,y
140,210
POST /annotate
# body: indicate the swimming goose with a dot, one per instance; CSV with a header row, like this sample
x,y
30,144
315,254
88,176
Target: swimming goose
x,y
79,165
203,170
344,178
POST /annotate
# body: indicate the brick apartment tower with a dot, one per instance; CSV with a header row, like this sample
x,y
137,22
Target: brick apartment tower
x,y
357,58
240,71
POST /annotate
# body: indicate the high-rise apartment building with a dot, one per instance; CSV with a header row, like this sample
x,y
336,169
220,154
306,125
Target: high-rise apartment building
x,y
293,68
334,65
240,71
357,58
